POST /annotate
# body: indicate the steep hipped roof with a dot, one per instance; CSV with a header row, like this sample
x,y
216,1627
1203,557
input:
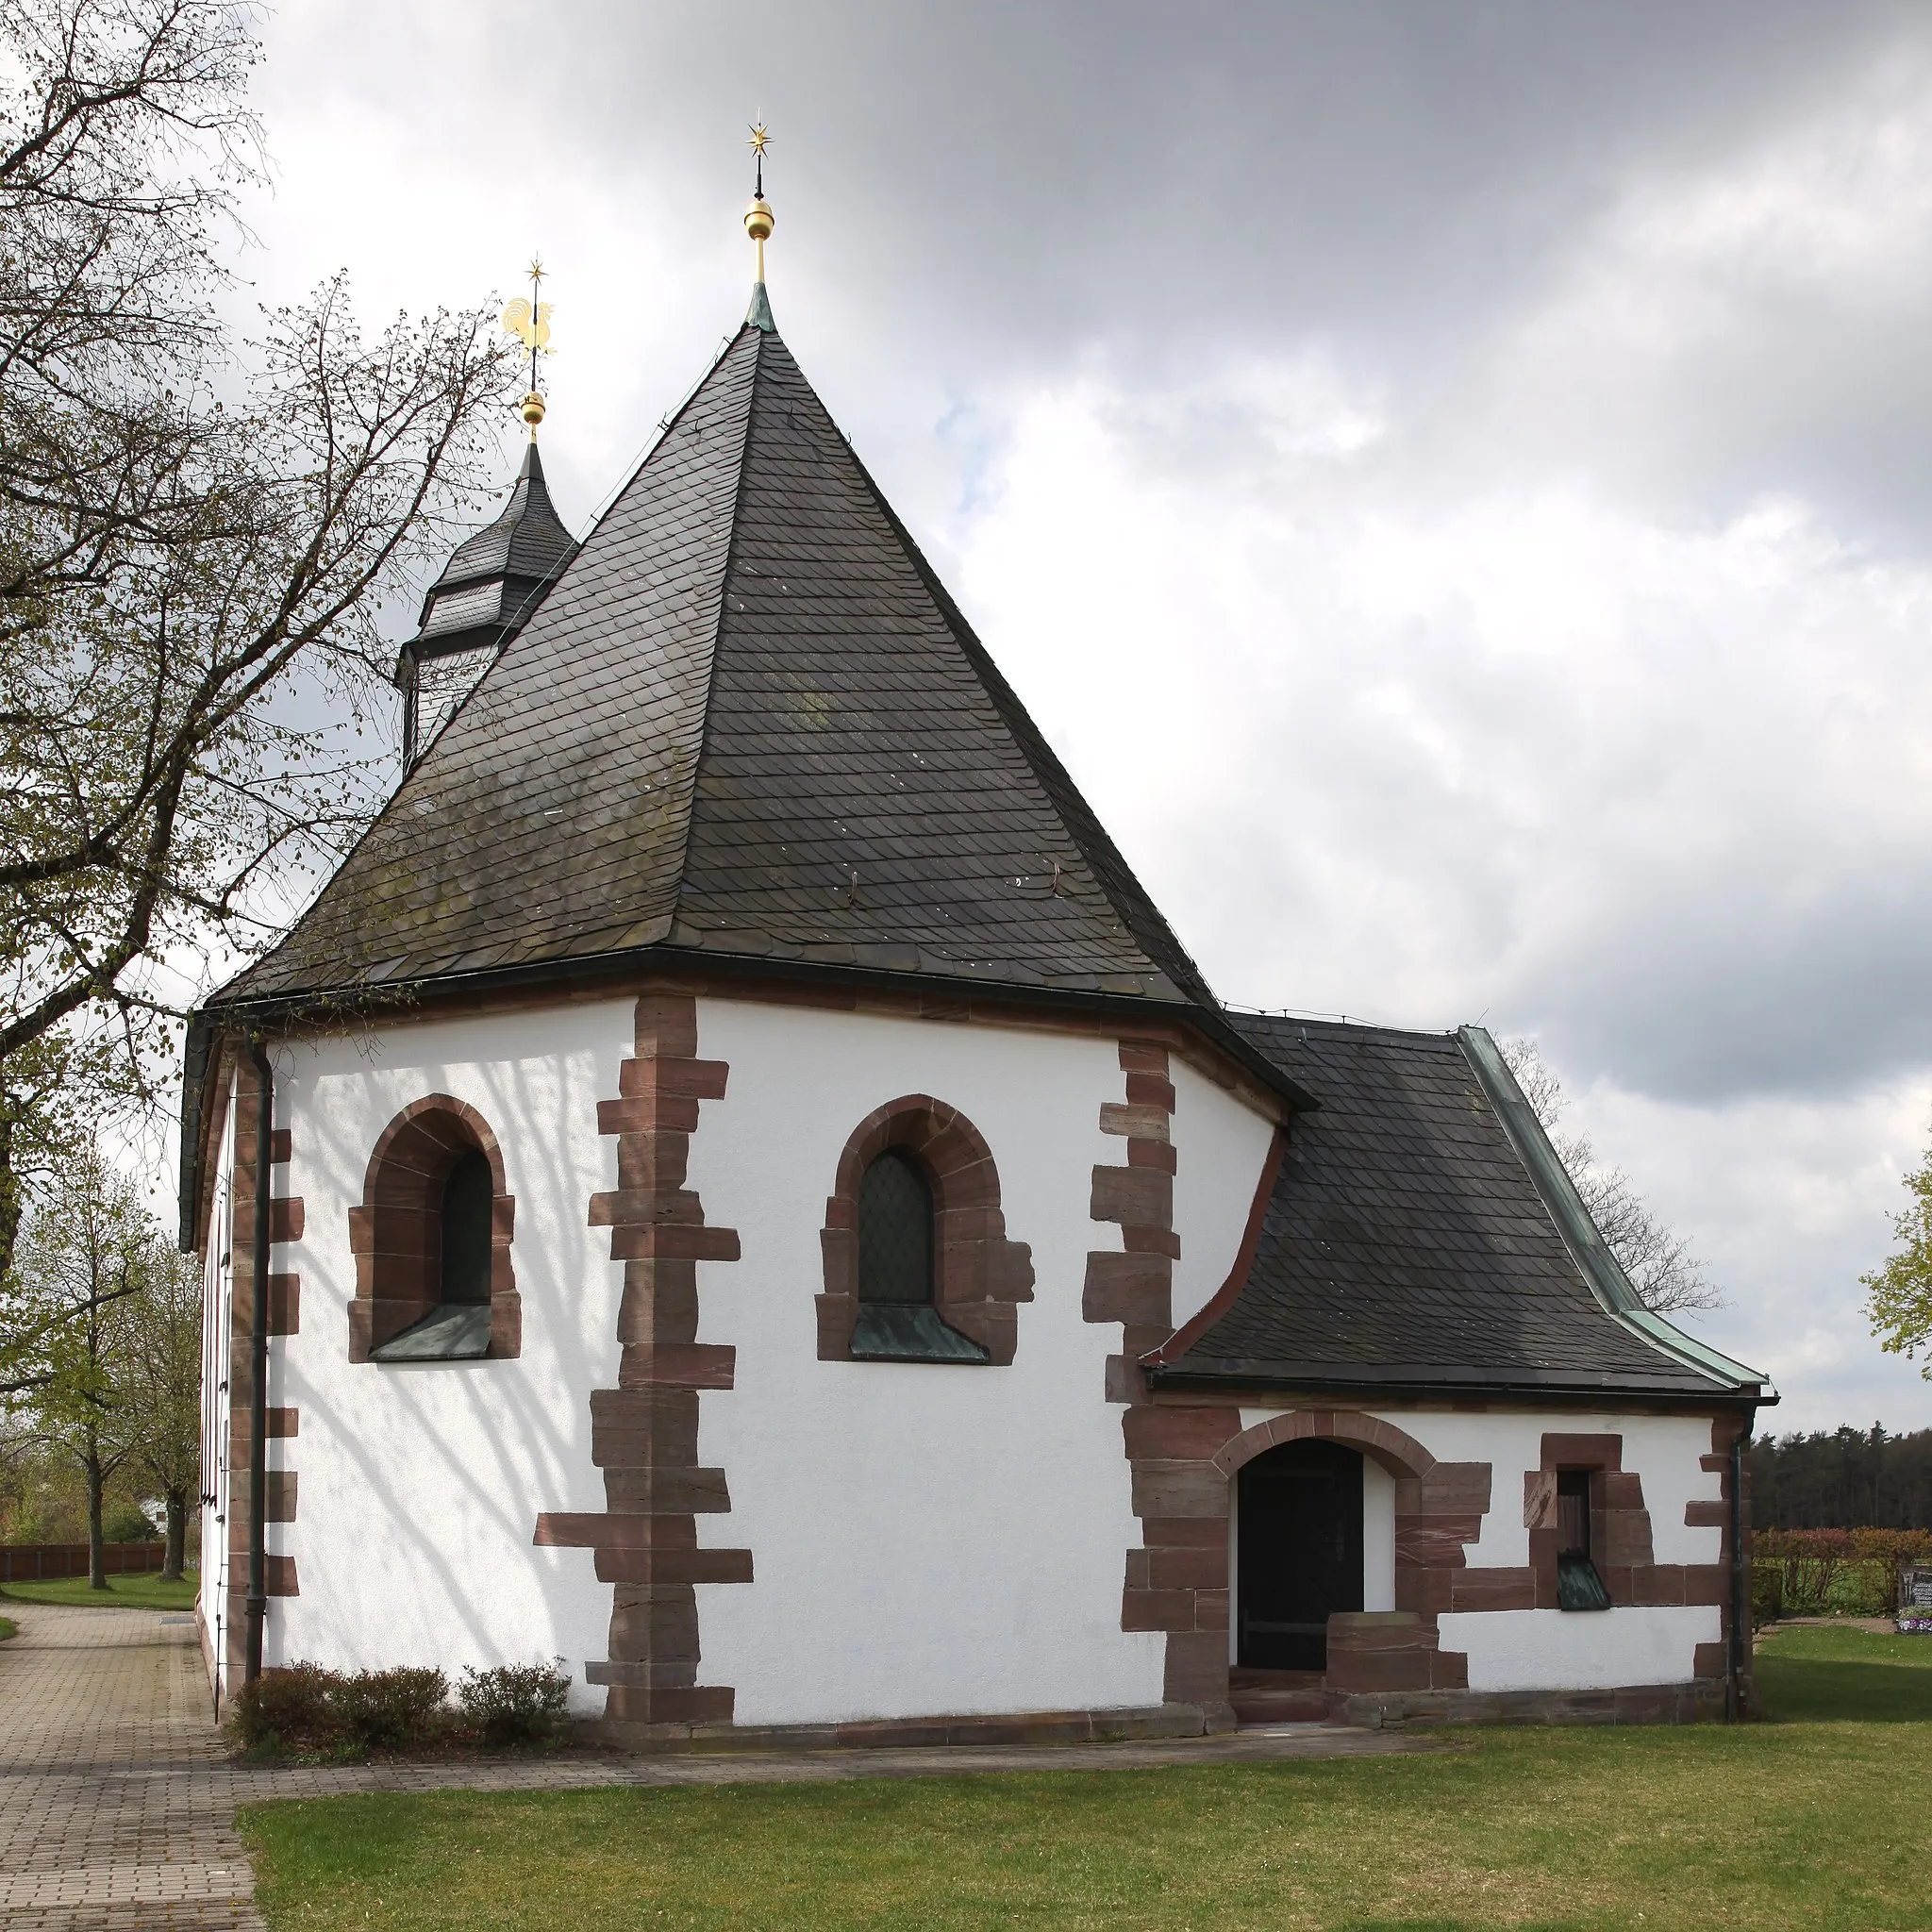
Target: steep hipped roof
x,y
494,580
1421,1234
747,722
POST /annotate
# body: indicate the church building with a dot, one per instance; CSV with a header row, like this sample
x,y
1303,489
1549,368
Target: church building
x,y
734,1186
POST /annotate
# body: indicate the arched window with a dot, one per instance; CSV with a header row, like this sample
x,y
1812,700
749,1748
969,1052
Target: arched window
x,y
466,1231
896,1231
431,1241
918,1267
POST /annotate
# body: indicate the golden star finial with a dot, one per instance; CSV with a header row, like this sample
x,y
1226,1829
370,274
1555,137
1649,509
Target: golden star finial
x,y
758,138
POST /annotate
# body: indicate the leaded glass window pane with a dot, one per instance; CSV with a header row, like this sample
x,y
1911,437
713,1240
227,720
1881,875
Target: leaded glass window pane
x,y
466,1197
896,1231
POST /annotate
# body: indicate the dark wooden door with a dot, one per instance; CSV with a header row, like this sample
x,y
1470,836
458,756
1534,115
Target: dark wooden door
x,y
1301,1553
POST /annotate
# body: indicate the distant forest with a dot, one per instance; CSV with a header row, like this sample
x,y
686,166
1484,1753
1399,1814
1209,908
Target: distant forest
x,y
1851,1479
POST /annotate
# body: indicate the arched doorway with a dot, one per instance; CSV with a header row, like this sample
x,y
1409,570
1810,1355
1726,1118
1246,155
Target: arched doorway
x,y
1300,1551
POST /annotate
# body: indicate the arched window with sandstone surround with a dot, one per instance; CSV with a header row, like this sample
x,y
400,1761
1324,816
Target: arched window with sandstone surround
x,y
918,1267
434,1280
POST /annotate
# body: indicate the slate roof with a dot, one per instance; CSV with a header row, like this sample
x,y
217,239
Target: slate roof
x,y
746,723
1408,1243
494,580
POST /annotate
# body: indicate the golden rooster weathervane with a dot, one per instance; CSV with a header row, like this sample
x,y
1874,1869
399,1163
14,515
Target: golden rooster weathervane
x,y
529,322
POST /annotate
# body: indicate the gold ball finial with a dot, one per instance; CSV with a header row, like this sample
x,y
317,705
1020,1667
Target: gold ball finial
x,y
532,407
757,220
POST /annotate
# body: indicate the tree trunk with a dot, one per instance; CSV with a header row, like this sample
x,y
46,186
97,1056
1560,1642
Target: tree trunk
x,y
177,1535
96,1562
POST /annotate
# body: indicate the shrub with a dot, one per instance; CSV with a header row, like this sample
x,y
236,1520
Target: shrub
x,y
389,1710
127,1523
1767,1593
516,1704
286,1709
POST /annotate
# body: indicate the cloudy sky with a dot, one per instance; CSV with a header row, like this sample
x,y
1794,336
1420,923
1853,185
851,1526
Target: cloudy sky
x,y
1452,481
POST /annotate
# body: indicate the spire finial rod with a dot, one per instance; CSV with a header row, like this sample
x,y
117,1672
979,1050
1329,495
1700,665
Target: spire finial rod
x,y
757,217
529,322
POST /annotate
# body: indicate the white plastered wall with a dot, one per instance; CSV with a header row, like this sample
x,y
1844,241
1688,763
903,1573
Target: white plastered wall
x,y
924,1539
1557,1650
1223,1148
419,1486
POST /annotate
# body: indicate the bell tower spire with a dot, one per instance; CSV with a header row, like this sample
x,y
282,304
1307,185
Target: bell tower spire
x,y
759,225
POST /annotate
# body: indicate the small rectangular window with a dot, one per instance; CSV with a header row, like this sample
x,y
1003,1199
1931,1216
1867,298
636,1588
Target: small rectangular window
x,y
1580,1587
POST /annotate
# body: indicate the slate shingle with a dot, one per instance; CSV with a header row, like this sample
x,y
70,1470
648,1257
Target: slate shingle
x,y
1405,1244
747,721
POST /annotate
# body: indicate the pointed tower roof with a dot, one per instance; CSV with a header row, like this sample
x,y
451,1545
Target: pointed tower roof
x,y
747,724
494,580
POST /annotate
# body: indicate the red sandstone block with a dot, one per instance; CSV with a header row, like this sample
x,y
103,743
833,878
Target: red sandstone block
x,y
1656,1583
1711,1661
1492,1589
1133,1289
668,1079
1139,1238
284,1421
568,1529
1179,1489
1350,1633
640,1207
1142,1195
1434,1542
278,1577
1539,1499
285,1219
1185,1533
1176,1433
1453,1489
1150,1090
1707,1583
1138,1123
675,1239
1423,1590
281,1146
1449,1670
1626,1536
674,1566
1707,1515
703,1704
684,1365
1157,1609
1583,1452
1211,1606
647,1114
1161,1154
1379,1669
1196,1669
666,1025
1144,1056
284,1303
1621,1490
279,1495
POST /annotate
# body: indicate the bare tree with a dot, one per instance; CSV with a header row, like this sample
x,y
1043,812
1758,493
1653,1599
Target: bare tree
x,y
196,536
1659,1262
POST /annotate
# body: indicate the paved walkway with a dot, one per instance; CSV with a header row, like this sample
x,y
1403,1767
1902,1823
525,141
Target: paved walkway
x,y
117,1802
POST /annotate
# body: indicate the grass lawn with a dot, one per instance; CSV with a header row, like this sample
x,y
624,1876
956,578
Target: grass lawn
x,y
8,1628
1818,1819
137,1591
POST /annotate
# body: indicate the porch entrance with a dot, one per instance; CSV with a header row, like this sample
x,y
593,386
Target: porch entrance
x,y
1300,1553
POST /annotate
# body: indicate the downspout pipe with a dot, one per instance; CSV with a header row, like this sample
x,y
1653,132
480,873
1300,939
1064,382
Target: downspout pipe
x,y
258,1340
1741,1596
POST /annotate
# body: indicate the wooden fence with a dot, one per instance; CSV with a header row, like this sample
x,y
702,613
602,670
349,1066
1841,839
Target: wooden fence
x,y
25,1562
